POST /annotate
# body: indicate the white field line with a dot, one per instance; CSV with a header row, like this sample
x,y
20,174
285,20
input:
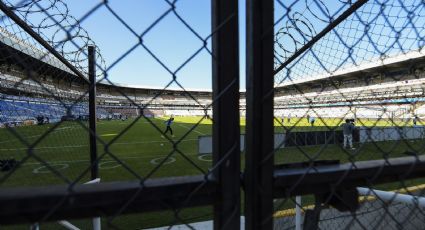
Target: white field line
x,y
80,146
196,131
107,160
119,122
72,127
38,135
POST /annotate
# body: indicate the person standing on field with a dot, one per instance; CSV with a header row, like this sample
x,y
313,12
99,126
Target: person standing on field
x,y
312,120
415,120
168,124
347,130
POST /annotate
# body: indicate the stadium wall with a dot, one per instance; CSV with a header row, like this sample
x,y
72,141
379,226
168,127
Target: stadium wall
x,y
361,135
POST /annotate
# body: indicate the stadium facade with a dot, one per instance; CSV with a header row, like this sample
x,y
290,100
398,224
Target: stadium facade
x,y
389,88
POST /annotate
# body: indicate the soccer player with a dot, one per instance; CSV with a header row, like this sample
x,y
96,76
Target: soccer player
x,y
168,123
347,130
312,120
415,120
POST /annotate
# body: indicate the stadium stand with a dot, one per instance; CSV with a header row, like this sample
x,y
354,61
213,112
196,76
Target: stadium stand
x,y
399,81
405,93
15,110
356,97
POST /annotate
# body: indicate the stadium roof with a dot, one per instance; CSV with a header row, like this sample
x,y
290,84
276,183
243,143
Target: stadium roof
x,y
11,40
105,82
18,44
370,66
396,61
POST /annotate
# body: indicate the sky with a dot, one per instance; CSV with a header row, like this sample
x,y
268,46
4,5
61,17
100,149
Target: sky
x,y
169,40
169,43
172,43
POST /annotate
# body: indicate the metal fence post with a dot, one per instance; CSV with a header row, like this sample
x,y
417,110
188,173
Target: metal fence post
x,y
259,117
298,213
92,112
226,126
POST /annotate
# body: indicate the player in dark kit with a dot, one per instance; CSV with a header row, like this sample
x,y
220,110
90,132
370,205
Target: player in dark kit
x,y
347,131
312,120
168,123
415,120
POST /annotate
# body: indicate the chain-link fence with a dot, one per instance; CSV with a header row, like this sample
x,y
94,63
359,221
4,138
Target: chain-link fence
x,y
348,90
59,128
333,114
388,212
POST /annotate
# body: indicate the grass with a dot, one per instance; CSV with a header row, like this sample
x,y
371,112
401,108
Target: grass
x,y
138,147
68,146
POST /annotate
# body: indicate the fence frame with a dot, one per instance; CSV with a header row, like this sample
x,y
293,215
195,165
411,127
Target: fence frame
x,y
94,167
222,188
30,205
258,173
226,125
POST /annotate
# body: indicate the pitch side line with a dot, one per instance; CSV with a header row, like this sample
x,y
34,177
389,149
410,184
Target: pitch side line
x,y
38,135
80,146
121,158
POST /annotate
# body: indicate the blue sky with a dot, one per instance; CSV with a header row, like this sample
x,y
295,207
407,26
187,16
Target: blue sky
x,y
169,40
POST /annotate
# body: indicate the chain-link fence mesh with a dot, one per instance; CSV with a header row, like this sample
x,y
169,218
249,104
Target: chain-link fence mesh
x,y
394,214
354,93
348,88
142,133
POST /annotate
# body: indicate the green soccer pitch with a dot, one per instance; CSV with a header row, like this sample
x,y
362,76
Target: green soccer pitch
x,y
141,148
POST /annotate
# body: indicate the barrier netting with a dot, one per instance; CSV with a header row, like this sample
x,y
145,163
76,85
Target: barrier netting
x,y
352,94
44,105
348,89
